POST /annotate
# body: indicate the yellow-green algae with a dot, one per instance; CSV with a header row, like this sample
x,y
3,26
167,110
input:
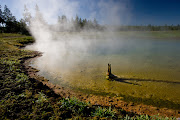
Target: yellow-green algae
x,y
154,71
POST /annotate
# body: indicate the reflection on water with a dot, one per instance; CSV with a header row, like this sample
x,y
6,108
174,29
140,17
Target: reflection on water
x,y
155,61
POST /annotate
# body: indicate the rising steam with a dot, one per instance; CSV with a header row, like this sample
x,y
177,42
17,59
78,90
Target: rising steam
x,y
71,54
69,47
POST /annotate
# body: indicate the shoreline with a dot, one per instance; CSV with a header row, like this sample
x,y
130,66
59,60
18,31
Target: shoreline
x,y
96,100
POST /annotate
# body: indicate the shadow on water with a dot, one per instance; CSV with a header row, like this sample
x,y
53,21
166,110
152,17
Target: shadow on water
x,y
116,78
126,80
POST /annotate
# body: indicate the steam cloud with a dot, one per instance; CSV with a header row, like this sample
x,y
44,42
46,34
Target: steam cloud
x,y
67,49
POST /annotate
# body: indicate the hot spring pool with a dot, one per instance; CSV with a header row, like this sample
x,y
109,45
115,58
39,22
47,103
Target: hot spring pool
x,y
79,61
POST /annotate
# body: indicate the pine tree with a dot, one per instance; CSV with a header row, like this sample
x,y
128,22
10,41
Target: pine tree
x,y
39,15
1,15
7,15
9,20
26,16
64,19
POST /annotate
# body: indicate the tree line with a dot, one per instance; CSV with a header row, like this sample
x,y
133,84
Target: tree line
x,y
78,23
9,23
149,28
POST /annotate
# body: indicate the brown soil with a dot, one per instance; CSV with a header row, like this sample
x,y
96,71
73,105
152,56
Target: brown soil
x,y
100,100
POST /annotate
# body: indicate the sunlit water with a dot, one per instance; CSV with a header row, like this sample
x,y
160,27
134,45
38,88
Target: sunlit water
x,y
151,60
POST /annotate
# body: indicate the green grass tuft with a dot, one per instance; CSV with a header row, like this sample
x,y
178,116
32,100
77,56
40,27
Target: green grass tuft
x,y
104,112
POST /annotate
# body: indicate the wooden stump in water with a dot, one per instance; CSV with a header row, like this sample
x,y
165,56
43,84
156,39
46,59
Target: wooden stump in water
x,y
109,74
109,69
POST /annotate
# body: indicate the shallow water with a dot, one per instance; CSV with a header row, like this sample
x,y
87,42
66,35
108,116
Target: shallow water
x,y
152,63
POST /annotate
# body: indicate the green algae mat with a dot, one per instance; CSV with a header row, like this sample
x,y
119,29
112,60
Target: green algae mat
x,y
147,64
